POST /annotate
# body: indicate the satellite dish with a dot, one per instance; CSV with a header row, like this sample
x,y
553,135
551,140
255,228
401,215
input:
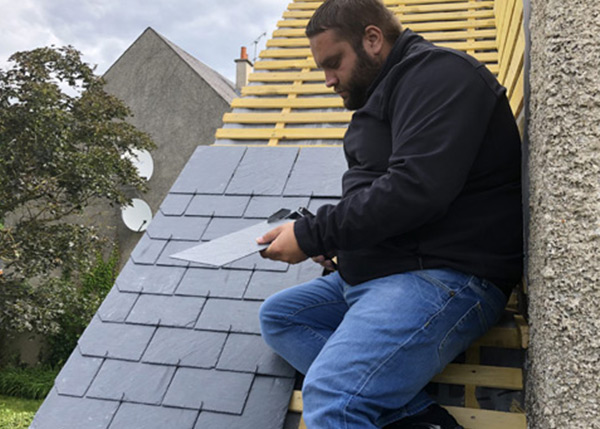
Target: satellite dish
x,y
142,160
136,216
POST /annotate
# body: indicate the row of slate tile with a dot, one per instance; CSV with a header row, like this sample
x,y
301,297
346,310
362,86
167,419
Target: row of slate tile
x,y
264,171
262,404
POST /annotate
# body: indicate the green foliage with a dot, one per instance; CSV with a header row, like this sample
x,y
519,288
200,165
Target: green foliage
x,y
80,304
63,141
28,383
17,413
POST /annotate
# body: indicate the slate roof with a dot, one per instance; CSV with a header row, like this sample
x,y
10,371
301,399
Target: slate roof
x,y
177,345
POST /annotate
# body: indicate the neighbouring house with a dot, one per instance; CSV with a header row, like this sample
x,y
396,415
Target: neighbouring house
x,y
175,98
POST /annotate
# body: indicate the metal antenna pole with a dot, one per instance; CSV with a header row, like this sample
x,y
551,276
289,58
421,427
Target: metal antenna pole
x,y
256,44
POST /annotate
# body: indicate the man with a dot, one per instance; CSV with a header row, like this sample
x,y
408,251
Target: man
x,y
427,233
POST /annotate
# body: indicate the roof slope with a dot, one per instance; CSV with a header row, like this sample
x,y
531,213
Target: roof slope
x,y
178,345
221,85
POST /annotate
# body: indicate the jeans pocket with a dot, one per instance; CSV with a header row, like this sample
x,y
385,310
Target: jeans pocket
x,y
469,327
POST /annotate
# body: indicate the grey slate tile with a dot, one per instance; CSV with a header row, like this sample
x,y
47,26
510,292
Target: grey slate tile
x,y
214,283
175,247
115,340
185,347
65,412
211,390
263,171
131,381
136,416
175,204
263,284
166,310
318,172
250,353
117,305
257,262
209,170
219,227
263,207
217,205
147,250
266,407
177,227
77,374
149,279
226,314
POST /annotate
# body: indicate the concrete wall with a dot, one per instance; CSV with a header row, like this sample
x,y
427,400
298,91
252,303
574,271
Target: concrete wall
x,y
173,104
564,240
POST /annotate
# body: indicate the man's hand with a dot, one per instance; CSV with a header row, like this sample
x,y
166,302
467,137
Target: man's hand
x,y
284,246
325,262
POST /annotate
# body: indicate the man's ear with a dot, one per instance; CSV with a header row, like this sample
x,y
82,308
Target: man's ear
x,y
373,40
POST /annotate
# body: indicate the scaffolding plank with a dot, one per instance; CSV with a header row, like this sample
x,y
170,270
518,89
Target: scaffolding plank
x,y
470,418
280,133
486,419
409,18
404,8
289,118
295,103
287,76
296,42
481,375
287,89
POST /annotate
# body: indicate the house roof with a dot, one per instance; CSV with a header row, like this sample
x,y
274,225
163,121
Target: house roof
x,y
220,84
176,344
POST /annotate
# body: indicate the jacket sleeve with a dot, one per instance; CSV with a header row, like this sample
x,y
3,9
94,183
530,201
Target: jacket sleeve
x,y
438,115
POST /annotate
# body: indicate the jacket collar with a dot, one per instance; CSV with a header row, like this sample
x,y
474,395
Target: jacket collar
x,y
406,39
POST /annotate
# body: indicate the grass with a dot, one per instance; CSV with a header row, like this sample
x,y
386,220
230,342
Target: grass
x,y
30,383
17,413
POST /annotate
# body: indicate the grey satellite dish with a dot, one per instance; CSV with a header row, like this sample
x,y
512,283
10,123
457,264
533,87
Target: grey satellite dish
x,y
136,216
142,160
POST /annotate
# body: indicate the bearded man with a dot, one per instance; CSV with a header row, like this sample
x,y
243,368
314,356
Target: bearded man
x,y
428,232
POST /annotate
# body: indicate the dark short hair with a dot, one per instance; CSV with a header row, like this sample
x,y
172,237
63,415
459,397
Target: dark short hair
x,y
349,18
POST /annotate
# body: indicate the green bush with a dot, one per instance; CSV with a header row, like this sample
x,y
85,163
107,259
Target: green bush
x,y
28,383
17,413
80,303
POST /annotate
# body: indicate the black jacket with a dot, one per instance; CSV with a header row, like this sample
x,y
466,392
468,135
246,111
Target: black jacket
x,y
434,176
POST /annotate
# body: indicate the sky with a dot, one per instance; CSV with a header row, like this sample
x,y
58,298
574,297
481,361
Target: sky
x,y
213,31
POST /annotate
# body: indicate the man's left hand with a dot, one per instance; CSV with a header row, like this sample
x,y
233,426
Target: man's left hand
x,y
284,246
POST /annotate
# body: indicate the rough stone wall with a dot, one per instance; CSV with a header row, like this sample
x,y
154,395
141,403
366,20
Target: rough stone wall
x,y
564,242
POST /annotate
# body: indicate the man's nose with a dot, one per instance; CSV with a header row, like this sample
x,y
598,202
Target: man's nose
x,y
330,79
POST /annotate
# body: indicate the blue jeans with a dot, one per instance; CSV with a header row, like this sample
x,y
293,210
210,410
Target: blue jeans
x,y
369,350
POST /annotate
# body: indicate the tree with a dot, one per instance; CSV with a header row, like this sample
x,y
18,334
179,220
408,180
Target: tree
x,y
63,142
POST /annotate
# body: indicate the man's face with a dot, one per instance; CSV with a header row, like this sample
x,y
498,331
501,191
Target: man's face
x,y
350,72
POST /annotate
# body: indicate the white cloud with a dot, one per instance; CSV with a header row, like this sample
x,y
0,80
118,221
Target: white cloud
x,y
212,31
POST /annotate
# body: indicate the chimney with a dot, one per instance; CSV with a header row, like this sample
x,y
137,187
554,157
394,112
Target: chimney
x,y
243,67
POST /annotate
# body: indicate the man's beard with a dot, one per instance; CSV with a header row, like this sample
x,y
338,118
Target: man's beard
x,y
364,73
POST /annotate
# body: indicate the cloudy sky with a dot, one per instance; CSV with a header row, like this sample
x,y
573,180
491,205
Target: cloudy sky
x,y
211,30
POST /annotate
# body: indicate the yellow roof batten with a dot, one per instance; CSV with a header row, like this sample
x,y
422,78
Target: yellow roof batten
x,y
280,133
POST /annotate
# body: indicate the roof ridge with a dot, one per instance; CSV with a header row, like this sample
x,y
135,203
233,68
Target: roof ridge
x,y
216,80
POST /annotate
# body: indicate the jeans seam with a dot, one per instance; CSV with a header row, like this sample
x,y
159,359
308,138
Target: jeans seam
x,y
437,282
309,307
366,379
288,319
482,323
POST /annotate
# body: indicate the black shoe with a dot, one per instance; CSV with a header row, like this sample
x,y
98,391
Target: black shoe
x,y
433,417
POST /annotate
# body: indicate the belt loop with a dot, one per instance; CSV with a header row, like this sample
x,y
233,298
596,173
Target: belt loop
x,y
420,262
